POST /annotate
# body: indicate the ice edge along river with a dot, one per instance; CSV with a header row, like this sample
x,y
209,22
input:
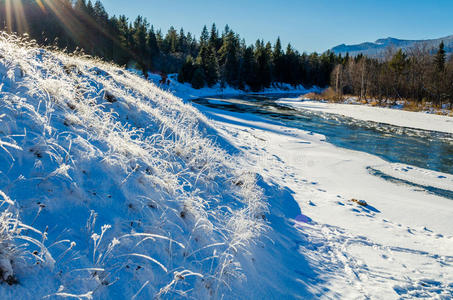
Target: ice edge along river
x,y
397,117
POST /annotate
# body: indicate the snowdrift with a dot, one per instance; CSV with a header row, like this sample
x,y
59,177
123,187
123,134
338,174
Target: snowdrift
x,y
114,189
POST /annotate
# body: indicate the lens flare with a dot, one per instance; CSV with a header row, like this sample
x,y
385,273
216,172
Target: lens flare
x,y
41,5
76,23
15,15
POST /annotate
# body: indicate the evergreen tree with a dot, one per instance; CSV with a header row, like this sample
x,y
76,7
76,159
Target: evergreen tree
x,y
182,42
140,43
248,71
214,41
439,59
208,62
153,48
187,71
229,59
204,38
263,62
279,62
398,62
170,43
439,84
198,79
159,39
80,6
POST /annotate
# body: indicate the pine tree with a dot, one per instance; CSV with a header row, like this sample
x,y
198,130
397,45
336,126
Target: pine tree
x,y
187,70
214,40
102,43
204,38
170,44
398,65
439,59
248,71
80,6
153,48
140,43
263,62
438,76
398,62
182,42
208,62
198,79
292,66
278,61
229,59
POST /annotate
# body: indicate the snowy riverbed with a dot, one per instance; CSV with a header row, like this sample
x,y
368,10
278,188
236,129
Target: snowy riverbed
x,y
399,246
418,120
396,247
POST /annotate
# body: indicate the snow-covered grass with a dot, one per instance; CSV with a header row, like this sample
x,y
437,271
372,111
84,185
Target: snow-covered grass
x,y
132,193
14,253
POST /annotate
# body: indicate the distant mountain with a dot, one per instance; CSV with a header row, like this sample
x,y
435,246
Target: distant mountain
x,y
379,47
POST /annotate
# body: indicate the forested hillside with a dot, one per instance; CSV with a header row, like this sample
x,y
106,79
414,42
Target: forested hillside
x,y
418,75
421,74
213,57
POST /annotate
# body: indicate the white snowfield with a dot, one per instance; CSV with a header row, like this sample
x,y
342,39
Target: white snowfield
x,y
399,246
416,120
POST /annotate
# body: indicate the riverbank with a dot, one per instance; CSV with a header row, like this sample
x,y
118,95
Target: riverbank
x,y
328,95
393,116
397,117
397,246
186,92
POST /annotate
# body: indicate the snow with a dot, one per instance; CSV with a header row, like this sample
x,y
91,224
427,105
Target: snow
x,y
112,188
417,120
186,92
396,247
115,189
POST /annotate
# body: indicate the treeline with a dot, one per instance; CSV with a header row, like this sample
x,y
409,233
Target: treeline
x,y
227,59
212,58
420,74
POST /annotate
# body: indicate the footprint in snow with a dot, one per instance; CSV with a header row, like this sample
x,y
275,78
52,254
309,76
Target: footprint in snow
x,y
425,288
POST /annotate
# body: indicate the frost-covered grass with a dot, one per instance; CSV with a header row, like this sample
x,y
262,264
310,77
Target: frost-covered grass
x,y
124,187
18,243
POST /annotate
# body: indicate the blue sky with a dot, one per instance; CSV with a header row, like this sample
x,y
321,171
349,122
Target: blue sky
x,y
315,25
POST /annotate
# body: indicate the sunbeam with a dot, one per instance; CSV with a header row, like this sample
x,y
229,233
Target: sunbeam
x,y
41,5
15,15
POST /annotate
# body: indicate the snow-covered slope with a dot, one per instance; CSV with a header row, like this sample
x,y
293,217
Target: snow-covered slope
x,y
114,189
